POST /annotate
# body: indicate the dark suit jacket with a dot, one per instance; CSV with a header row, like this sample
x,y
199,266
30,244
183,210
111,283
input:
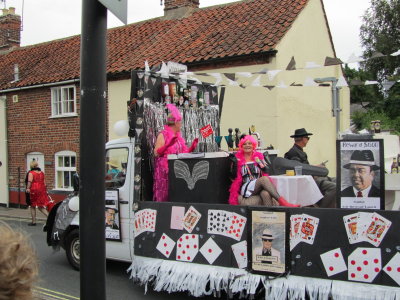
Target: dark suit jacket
x,y
296,153
373,192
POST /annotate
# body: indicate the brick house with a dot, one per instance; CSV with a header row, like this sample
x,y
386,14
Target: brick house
x,y
39,84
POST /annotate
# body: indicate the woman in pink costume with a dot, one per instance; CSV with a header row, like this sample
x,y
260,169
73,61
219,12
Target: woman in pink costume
x,y
252,185
36,187
169,141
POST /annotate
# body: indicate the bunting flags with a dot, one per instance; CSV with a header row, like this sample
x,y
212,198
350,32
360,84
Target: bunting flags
x,y
234,79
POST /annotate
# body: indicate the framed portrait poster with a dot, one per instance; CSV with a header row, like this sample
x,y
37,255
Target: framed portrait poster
x,y
360,174
112,217
268,247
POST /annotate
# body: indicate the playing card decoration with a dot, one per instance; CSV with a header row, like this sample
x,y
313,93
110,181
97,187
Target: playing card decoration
x,y
165,245
303,228
226,223
240,253
145,220
190,219
210,251
364,264
187,247
177,215
333,262
392,268
368,227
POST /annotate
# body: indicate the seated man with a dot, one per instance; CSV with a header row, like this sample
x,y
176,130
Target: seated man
x,y
326,185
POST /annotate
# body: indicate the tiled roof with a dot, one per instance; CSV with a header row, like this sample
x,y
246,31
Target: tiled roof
x,y
223,31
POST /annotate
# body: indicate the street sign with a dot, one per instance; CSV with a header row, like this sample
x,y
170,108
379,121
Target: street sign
x,y
118,7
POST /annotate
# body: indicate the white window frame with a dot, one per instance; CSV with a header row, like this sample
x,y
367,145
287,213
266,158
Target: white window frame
x,y
58,168
59,105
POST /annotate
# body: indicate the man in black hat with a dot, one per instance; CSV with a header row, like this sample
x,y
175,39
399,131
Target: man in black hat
x,y
325,184
362,172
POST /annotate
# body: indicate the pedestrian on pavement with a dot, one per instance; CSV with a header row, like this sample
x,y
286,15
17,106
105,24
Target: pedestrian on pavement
x,y
36,187
18,265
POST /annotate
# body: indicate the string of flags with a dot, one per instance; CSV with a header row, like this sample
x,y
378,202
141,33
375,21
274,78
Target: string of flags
x,y
232,78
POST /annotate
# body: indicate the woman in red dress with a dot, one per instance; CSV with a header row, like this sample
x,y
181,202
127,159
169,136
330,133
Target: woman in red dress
x,y
36,187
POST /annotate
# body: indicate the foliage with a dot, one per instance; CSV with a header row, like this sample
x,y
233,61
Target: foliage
x,y
362,120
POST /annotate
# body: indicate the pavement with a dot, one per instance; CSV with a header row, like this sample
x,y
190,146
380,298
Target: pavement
x,y
21,213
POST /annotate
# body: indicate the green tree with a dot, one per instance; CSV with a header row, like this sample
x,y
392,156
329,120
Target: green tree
x,y
380,33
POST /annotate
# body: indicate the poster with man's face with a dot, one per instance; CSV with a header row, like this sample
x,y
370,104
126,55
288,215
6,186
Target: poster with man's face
x,y
269,243
112,217
360,175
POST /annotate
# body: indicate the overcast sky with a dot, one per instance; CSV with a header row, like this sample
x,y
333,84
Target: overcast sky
x,y
46,20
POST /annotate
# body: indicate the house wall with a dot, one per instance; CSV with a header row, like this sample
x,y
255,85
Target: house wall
x,y
3,153
32,129
119,92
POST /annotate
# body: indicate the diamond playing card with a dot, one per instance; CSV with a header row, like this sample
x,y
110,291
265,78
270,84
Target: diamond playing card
x,y
333,262
392,268
376,230
187,247
165,245
190,219
240,253
364,264
210,251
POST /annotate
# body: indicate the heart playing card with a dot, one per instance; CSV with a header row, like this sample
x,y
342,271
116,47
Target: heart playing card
x,y
190,219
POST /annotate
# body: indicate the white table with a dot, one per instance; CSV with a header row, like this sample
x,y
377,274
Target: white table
x,y
298,189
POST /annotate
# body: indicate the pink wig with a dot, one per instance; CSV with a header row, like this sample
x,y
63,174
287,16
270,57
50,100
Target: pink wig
x,y
175,114
245,139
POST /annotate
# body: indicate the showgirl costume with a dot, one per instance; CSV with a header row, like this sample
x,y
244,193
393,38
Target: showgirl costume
x,y
38,190
174,144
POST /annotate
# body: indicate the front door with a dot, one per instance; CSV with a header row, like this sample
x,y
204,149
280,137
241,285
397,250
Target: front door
x,y
39,157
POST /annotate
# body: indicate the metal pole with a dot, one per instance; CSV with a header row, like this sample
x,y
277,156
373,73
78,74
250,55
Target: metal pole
x,y
335,106
92,152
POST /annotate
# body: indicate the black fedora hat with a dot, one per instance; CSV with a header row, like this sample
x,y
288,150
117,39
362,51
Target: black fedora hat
x,y
362,157
300,133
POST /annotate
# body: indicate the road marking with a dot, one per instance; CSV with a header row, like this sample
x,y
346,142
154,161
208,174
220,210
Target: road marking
x,y
47,294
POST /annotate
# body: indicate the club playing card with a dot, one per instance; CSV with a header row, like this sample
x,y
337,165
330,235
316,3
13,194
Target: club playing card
x,y
177,214
376,230
350,224
210,251
295,221
240,253
190,219
236,224
364,264
333,262
217,221
392,268
165,245
187,247
308,229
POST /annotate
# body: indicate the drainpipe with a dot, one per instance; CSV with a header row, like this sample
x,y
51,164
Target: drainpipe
x,y
4,144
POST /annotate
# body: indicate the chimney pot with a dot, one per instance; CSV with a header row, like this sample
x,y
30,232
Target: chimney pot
x,y
5,11
11,10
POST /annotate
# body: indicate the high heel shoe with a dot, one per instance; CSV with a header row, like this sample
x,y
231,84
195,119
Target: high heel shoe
x,y
283,202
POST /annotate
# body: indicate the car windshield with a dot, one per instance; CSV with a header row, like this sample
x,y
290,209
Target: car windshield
x,y
115,169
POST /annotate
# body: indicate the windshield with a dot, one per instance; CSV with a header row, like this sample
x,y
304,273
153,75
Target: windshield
x,y
116,164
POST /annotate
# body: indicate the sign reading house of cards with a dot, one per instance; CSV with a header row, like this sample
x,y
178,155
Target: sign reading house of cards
x,y
360,174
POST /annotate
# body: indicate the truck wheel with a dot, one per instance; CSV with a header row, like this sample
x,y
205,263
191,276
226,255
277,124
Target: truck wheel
x,y
72,248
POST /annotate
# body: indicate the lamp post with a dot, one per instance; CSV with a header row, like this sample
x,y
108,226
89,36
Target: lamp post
x,y
335,99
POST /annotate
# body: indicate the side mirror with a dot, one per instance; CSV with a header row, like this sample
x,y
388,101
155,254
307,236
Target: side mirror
x,y
75,182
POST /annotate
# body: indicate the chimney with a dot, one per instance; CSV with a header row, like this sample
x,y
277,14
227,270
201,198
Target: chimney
x,y
10,29
177,9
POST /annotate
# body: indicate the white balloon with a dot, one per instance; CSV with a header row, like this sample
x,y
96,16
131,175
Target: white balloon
x,y
121,127
73,203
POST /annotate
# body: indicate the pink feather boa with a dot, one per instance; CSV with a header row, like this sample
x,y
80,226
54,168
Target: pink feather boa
x,y
237,183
